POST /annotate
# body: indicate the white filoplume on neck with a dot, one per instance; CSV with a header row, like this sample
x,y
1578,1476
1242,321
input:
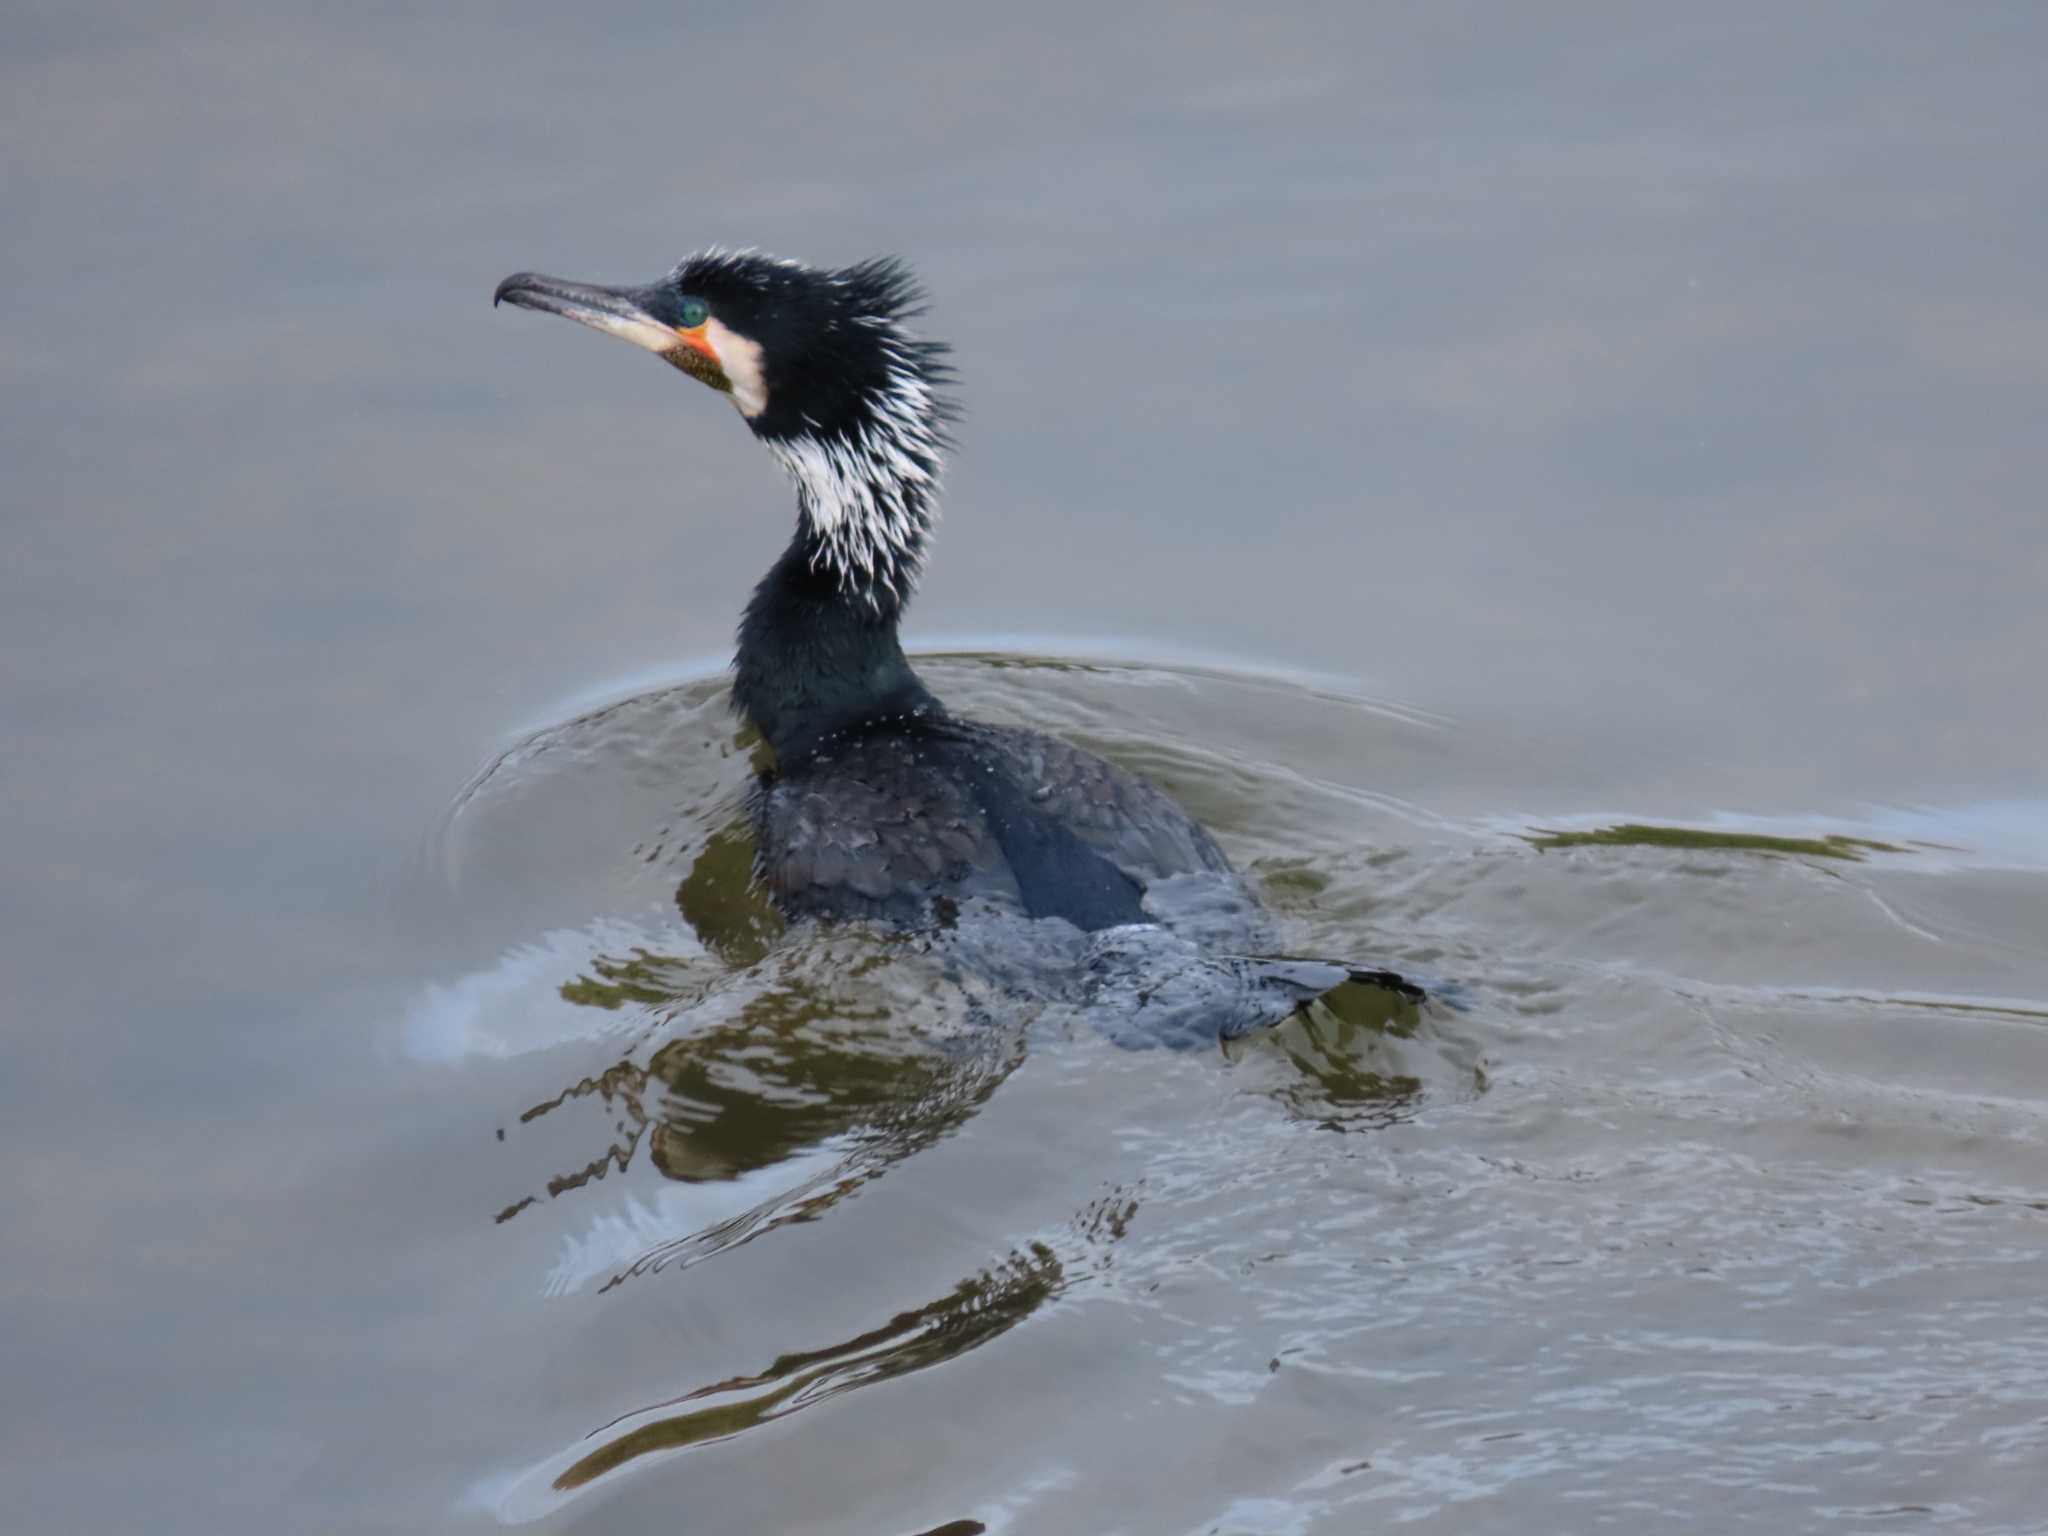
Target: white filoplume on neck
x,y
870,492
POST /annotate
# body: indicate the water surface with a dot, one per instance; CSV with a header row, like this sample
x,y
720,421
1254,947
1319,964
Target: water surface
x,y
1560,492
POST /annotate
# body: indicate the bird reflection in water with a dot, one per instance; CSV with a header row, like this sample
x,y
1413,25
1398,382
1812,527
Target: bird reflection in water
x,y
773,1049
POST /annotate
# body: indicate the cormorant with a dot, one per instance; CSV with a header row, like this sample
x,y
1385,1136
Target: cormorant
x,y
1041,867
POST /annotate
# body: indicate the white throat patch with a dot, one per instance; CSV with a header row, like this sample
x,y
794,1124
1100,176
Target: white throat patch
x,y
741,361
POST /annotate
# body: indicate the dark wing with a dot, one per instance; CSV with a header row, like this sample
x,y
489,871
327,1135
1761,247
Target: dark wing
x,y
882,825
875,828
1133,824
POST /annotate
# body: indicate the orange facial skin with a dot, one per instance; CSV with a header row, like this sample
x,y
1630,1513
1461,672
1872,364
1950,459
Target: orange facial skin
x,y
697,341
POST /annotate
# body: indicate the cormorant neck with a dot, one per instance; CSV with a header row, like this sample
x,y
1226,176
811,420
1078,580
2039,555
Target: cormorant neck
x,y
818,651
867,491
819,655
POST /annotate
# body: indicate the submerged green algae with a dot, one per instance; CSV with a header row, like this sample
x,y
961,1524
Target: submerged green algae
x,y
1635,834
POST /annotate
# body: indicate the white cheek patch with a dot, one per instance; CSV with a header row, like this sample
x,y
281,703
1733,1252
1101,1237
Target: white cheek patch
x,y
741,360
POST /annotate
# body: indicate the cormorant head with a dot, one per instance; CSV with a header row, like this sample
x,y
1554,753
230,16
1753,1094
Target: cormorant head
x,y
823,368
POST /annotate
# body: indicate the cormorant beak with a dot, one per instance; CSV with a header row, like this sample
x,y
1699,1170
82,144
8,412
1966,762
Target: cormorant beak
x,y
638,315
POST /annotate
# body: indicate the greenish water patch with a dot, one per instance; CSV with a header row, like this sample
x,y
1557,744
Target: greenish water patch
x,y
1636,834
978,1309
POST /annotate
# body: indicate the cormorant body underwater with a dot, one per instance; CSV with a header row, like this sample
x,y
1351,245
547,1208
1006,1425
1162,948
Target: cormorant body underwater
x,y
1043,868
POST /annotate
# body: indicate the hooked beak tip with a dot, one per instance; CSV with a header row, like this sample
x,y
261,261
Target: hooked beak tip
x,y
511,288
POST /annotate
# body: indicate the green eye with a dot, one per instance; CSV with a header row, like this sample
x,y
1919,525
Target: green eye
x,y
694,313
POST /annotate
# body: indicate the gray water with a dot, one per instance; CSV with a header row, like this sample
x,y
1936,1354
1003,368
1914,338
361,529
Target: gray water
x,y
1558,489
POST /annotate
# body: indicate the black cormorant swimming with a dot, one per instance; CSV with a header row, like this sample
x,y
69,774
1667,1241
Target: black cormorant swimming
x,y
1039,866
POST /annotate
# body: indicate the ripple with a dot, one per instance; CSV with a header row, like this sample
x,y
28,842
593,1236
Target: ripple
x,y
1713,1202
